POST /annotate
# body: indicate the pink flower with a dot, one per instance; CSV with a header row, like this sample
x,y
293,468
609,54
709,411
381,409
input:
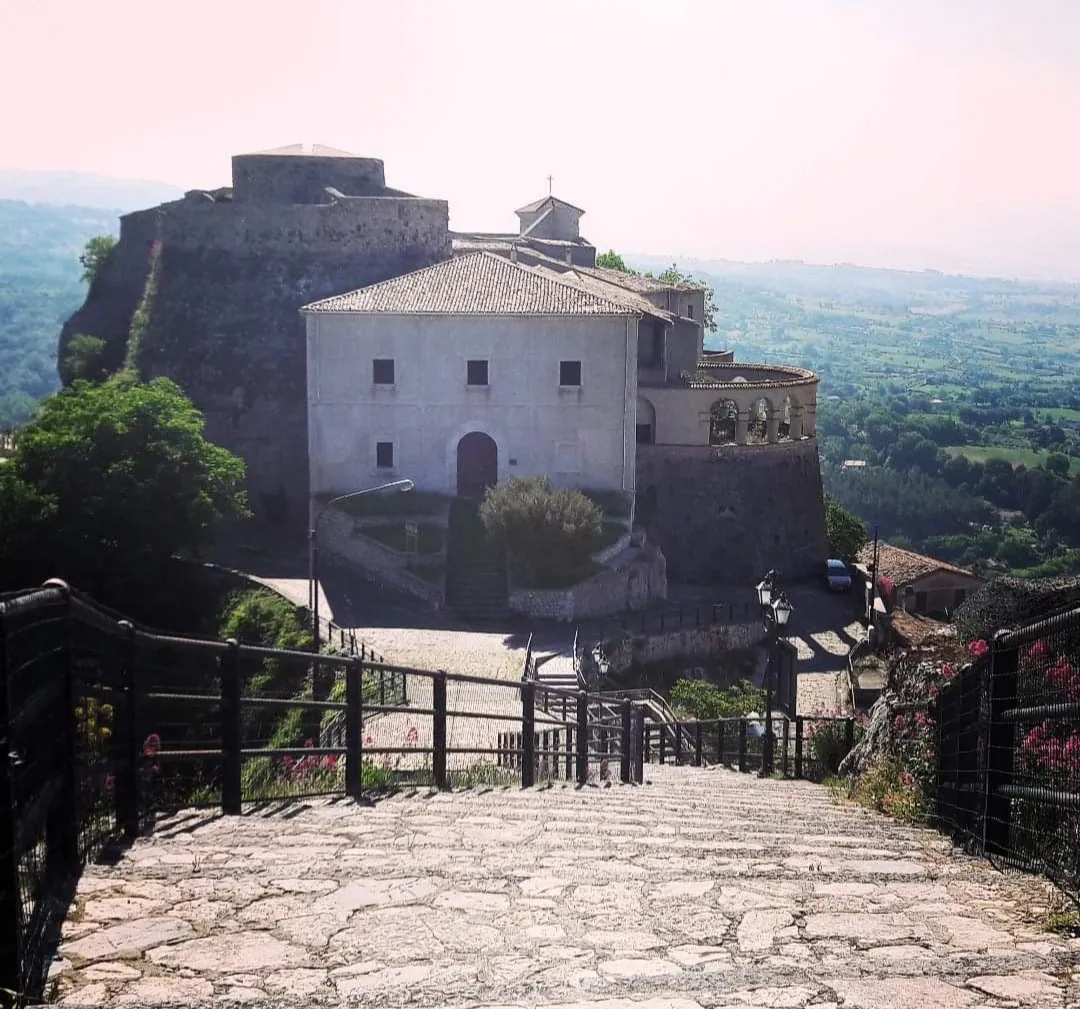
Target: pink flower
x,y
368,740
978,648
934,691
907,779
330,763
947,671
900,723
412,736
152,745
921,720
1039,650
308,743
110,782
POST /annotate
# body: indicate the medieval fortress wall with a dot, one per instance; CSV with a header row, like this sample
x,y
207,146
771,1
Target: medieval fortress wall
x,y
233,268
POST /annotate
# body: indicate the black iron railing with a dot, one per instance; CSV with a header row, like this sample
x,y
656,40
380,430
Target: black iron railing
x,y
1008,766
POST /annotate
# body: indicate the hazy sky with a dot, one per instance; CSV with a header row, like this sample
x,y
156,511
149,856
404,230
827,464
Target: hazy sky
x,y
912,133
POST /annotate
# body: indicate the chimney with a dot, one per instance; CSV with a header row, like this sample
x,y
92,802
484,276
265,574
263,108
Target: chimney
x,y
513,253
569,257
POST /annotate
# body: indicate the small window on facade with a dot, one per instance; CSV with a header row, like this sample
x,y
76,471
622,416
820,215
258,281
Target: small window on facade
x,y
644,434
384,454
476,372
920,602
690,311
569,373
382,371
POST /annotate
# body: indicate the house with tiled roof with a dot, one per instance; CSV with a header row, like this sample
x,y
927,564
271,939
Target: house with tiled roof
x,y
468,372
917,583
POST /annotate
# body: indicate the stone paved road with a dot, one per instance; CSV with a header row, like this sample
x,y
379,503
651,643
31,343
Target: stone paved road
x,y
702,888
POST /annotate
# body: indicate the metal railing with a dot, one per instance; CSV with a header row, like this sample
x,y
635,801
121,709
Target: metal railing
x,y
1008,760
104,724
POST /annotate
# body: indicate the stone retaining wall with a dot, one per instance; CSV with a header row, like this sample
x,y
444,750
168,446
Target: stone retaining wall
x,y
693,642
630,586
338,538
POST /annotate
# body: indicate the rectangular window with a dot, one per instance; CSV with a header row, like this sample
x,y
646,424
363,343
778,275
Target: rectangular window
x,y
382,371
569,373
920,602
384,454
690,311
644,434
476,372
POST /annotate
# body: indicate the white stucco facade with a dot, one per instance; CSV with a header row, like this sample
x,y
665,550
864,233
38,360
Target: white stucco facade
x,y
578,435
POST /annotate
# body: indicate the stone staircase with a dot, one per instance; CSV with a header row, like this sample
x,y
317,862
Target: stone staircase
x,y
557,672
700,888
476,584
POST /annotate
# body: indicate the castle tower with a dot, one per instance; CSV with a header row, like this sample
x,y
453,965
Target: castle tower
x,y
224,273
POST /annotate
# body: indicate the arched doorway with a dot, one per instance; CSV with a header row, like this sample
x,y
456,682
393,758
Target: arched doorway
x,y
477,464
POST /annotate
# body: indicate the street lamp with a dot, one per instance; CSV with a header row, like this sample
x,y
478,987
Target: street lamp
x,y
776,611
313,546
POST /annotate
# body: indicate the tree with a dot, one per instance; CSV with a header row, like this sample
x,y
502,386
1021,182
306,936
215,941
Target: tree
x,y
705,701
549,532
86,358
96,251
1057,463
611,260
113,476
845,532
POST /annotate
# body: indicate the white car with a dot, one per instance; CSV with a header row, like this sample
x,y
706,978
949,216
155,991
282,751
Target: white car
x,y
837,576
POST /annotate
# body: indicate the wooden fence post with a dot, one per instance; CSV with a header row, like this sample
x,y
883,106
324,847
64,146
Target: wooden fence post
x,y
742,745
10,932
798,745
639,735
627,739
849,736
354,729
438,729
583,737
528,733
1001,737
231,796
787,744
697,744
128,747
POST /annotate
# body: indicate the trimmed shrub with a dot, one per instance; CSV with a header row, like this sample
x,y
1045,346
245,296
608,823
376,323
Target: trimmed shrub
x,y
547,531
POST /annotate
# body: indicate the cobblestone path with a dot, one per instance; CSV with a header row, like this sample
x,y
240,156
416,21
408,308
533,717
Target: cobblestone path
x,y
702,888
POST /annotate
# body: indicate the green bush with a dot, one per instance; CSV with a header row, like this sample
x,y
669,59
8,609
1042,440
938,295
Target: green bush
x,y
548,532
705,701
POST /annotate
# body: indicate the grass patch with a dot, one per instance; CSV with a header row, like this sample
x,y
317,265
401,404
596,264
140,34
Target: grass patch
x,y
1062,914
430,539
980,453
408,504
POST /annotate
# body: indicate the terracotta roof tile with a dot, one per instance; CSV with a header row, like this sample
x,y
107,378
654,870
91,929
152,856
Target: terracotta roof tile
x,y
477,284
904,566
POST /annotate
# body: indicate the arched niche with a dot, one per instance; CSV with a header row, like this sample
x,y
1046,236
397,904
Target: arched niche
x,y
758,421
646,422
723,419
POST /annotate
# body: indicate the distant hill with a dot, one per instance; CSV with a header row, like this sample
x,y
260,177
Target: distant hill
x,y
40,287
84,189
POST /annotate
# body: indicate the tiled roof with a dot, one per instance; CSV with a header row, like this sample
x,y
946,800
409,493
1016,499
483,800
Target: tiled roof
x,y
635,281
628,299
531,208
477,284
915,629
904,566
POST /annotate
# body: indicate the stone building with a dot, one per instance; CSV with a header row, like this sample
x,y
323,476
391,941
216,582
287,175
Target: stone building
x,y
208,290
919,584
466,373
222,274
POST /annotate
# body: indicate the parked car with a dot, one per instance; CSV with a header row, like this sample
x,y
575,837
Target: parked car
x,y
837,576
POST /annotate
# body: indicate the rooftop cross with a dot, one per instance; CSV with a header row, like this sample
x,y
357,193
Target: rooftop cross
x,y
550,179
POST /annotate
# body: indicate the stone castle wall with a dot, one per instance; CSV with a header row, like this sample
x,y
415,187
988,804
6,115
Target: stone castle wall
x,y
225,320
729,513
270,178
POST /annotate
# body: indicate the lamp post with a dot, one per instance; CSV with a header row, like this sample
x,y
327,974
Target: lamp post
x,y
313,546
775,613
